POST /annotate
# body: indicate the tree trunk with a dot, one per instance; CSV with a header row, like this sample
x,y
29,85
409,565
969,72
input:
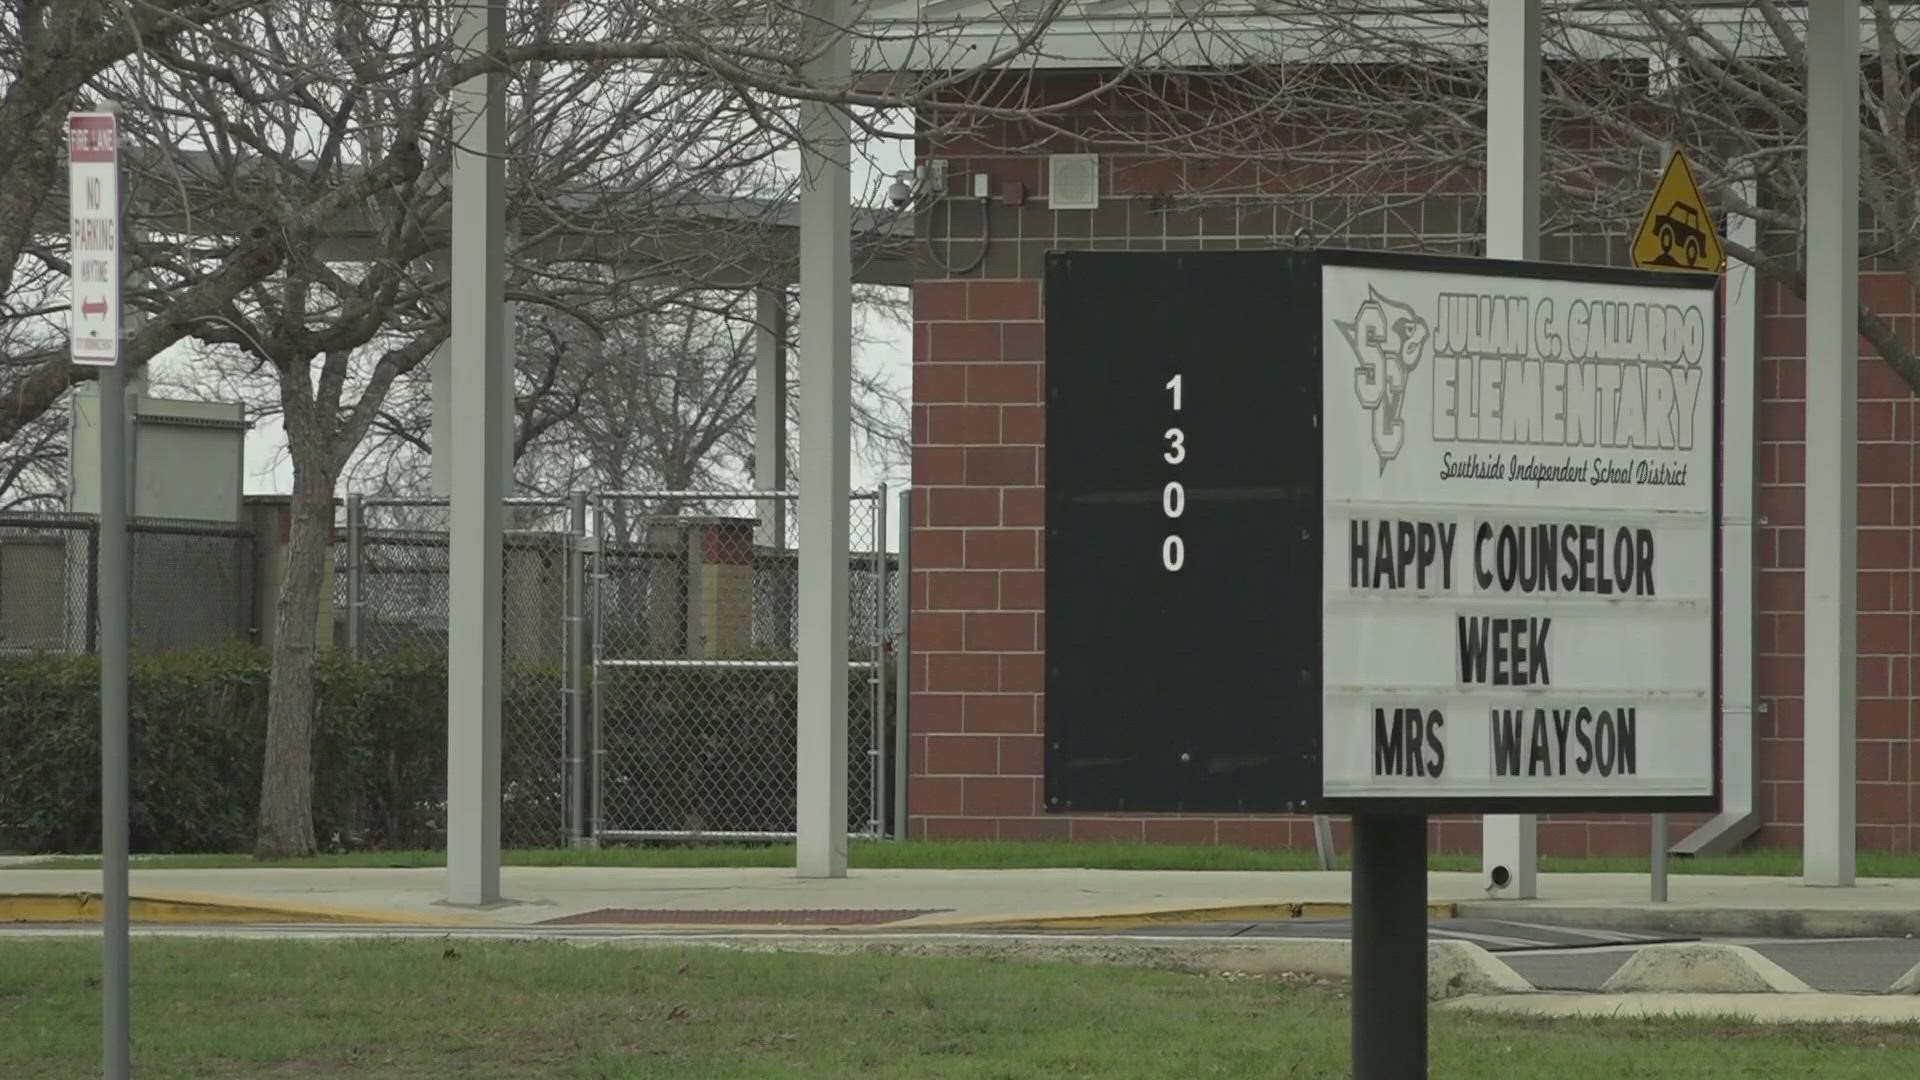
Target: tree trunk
x,y
286,782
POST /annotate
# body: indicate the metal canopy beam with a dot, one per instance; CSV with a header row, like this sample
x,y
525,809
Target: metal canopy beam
x,y
770,411
719,242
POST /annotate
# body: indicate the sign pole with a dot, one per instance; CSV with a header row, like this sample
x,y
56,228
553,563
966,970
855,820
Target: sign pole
x,y
113,710
1389,946
97,323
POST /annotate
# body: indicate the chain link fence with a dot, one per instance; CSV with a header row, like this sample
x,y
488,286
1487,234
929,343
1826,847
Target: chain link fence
x,y
650,656
650,644
192,583
390,596
695,695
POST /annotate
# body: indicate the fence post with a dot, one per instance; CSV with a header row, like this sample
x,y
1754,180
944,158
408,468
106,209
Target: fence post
x,y
93,586
595,809
356,520
576,687
904,572
877,708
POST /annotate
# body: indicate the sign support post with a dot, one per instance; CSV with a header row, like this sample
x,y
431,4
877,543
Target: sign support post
x,y
96,327
1389,946
1500,480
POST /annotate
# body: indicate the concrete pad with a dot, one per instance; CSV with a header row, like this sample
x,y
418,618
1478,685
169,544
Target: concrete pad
x,y
1908,983
1702,968
1702,905
1709,905
1750,1008
1118,921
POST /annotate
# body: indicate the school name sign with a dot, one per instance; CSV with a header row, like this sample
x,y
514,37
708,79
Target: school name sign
x,y
1519,572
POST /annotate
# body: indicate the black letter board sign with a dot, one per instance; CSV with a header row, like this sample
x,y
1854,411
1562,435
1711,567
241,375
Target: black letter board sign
x,y
1183,510
1331,530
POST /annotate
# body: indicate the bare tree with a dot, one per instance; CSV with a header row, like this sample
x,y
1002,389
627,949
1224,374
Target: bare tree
x,y
288,111
655,392
290,195
33,470
52,53
217,209
1345,115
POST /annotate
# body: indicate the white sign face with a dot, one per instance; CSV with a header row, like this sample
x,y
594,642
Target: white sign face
x,y
93,191
1519,529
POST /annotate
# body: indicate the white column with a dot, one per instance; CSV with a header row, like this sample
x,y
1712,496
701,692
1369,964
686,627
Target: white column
x,y
478,365
505,358
770,409
1737,818
440,386
1833,292
1507,841
440,434
826,341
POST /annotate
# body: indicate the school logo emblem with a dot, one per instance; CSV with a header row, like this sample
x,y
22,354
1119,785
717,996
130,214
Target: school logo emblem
x,y
1388,339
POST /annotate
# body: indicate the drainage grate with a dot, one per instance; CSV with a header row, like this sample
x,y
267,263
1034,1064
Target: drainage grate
x,y
784,917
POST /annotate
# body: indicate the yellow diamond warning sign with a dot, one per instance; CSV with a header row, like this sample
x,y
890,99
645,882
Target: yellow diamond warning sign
x,y
1677,232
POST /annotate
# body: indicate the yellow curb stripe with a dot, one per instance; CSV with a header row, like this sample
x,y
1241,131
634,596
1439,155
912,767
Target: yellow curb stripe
x,y
1315,909
202,908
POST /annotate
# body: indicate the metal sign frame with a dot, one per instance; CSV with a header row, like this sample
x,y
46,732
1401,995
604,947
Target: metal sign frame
x,y
95,316
1577,803
1140,770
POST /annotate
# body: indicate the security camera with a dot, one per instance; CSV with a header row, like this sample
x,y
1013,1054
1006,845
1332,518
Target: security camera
x,y
899,193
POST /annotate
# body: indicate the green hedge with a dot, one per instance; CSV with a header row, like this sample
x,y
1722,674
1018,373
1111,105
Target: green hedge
x,y
706,748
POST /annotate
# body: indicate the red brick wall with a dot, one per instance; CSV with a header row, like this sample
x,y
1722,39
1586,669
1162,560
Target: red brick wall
x,y
1888,800
977,712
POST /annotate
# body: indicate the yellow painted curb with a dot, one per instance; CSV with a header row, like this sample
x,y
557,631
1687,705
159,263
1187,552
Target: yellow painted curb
x,y
202,909
1314,909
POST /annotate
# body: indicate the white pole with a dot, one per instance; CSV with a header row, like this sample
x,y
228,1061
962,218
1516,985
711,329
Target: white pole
x,y
770,409
475,469
1507,841
826,337
1833,291
440,430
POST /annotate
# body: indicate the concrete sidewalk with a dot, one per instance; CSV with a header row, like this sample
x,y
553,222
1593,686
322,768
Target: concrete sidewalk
x,y
926,899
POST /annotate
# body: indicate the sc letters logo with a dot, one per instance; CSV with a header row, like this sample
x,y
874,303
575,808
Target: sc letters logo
x,y
1388,339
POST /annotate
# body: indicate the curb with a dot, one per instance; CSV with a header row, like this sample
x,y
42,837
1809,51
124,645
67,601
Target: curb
x,y
1702,968
1707,921
1454,968
201,909
1142,917
1908,983
1745,1008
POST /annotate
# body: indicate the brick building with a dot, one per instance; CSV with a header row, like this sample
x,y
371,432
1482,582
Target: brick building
x,y
977,613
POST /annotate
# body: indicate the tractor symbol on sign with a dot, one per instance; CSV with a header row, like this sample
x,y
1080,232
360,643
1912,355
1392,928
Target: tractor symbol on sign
x,y
1679,229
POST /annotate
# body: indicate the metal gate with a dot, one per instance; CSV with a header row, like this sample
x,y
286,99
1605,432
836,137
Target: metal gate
x,y
695,665
392,583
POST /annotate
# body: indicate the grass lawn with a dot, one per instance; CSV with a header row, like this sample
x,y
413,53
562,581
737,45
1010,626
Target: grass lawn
x,y
1006,855
405,1010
